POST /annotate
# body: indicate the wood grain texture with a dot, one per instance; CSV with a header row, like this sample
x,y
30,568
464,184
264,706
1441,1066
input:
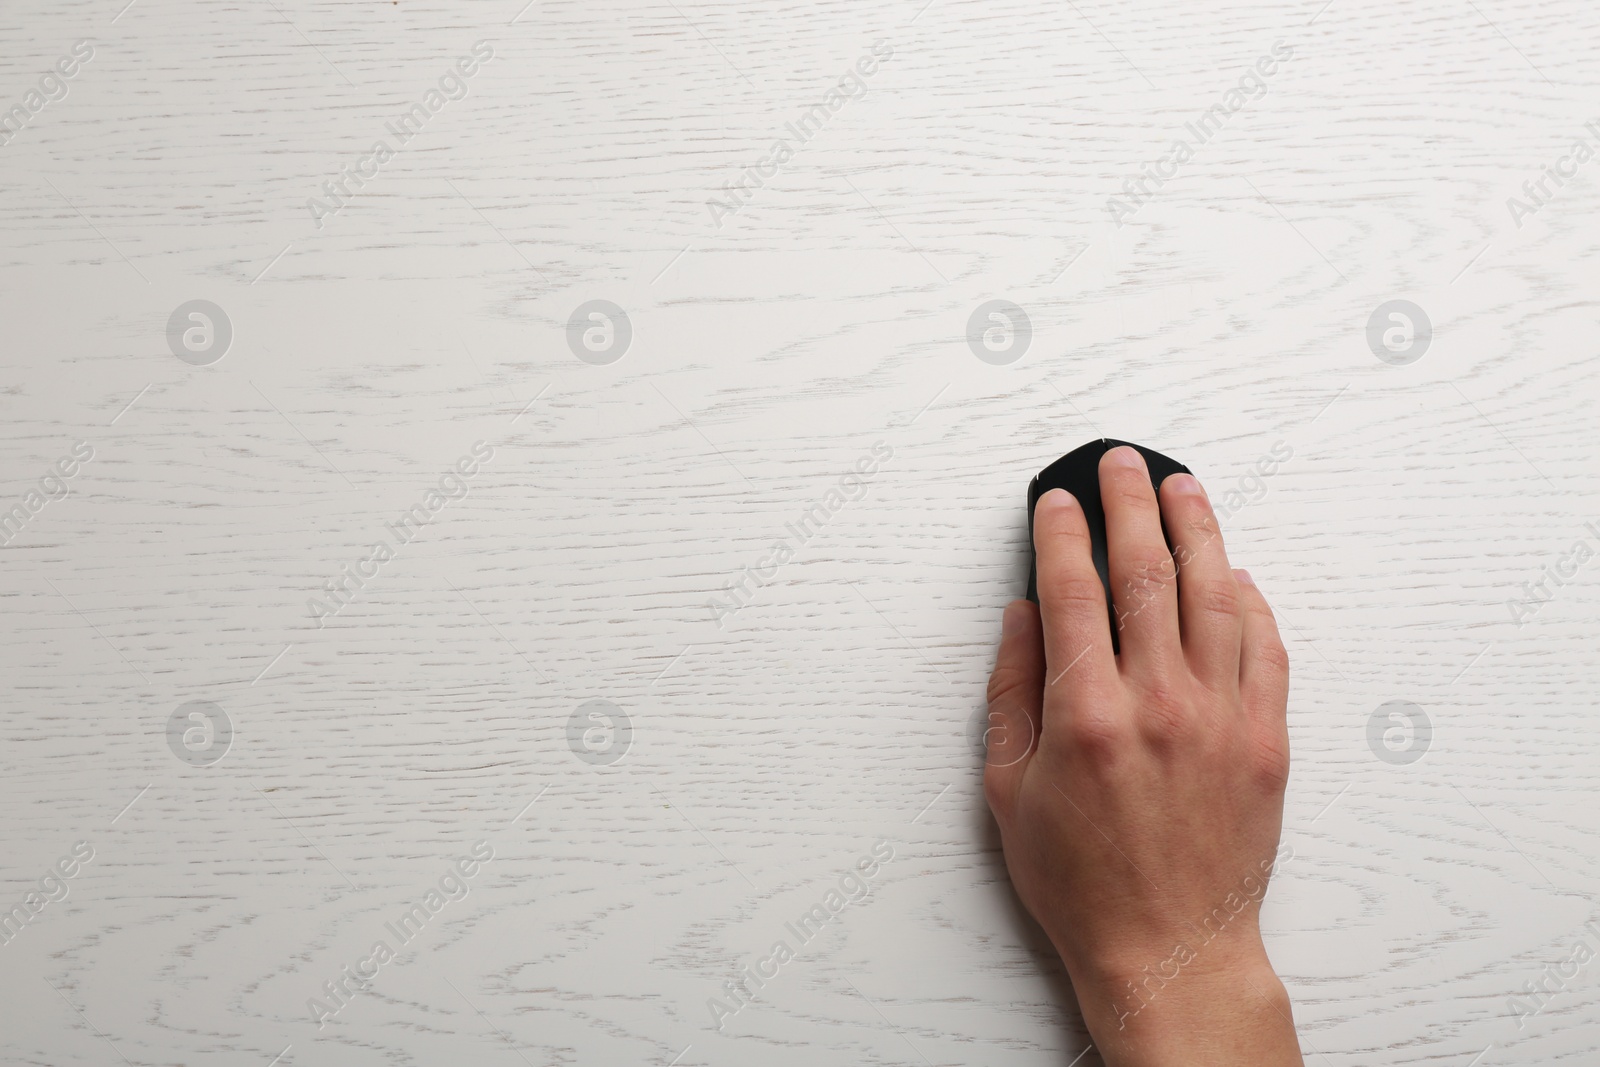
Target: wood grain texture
x,y
768,354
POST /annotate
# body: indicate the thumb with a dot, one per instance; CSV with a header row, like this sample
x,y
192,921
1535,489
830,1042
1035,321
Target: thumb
x,y
1016,704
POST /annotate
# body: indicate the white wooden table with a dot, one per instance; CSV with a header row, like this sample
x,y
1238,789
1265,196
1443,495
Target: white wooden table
x,y
345,756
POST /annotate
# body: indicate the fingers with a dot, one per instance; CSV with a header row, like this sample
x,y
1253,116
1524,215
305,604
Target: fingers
x,y
1264,680
1209,606
1143,575
1016,703
1072,602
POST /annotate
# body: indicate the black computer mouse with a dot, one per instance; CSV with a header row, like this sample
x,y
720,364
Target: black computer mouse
x,y
1078,472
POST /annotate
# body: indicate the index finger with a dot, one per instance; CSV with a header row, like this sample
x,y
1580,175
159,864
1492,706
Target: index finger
x,y
1072,602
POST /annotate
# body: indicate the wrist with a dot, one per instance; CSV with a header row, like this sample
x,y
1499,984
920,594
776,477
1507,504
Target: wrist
x,y
1144,969
1222,1005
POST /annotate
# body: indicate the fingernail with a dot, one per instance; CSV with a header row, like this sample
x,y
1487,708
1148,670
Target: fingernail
x,y
1187,484
1059,498
1243,576
1126,456
1011,622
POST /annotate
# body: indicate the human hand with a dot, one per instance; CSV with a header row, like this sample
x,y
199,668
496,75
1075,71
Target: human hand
x,y
1140,795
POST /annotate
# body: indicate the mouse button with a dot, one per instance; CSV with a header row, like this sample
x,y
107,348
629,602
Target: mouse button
x,y
1161,467
1078,472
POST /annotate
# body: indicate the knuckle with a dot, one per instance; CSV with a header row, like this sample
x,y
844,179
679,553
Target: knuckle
x,y
1095,732
1064,527
1271,658
1215,597
1146,577
1150,567
1269,759
997,791
1063,536
1003,682
1165,715
1203,525
1130,488
1064,589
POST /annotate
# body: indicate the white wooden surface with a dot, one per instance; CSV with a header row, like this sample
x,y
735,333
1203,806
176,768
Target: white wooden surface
x,y
768,355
